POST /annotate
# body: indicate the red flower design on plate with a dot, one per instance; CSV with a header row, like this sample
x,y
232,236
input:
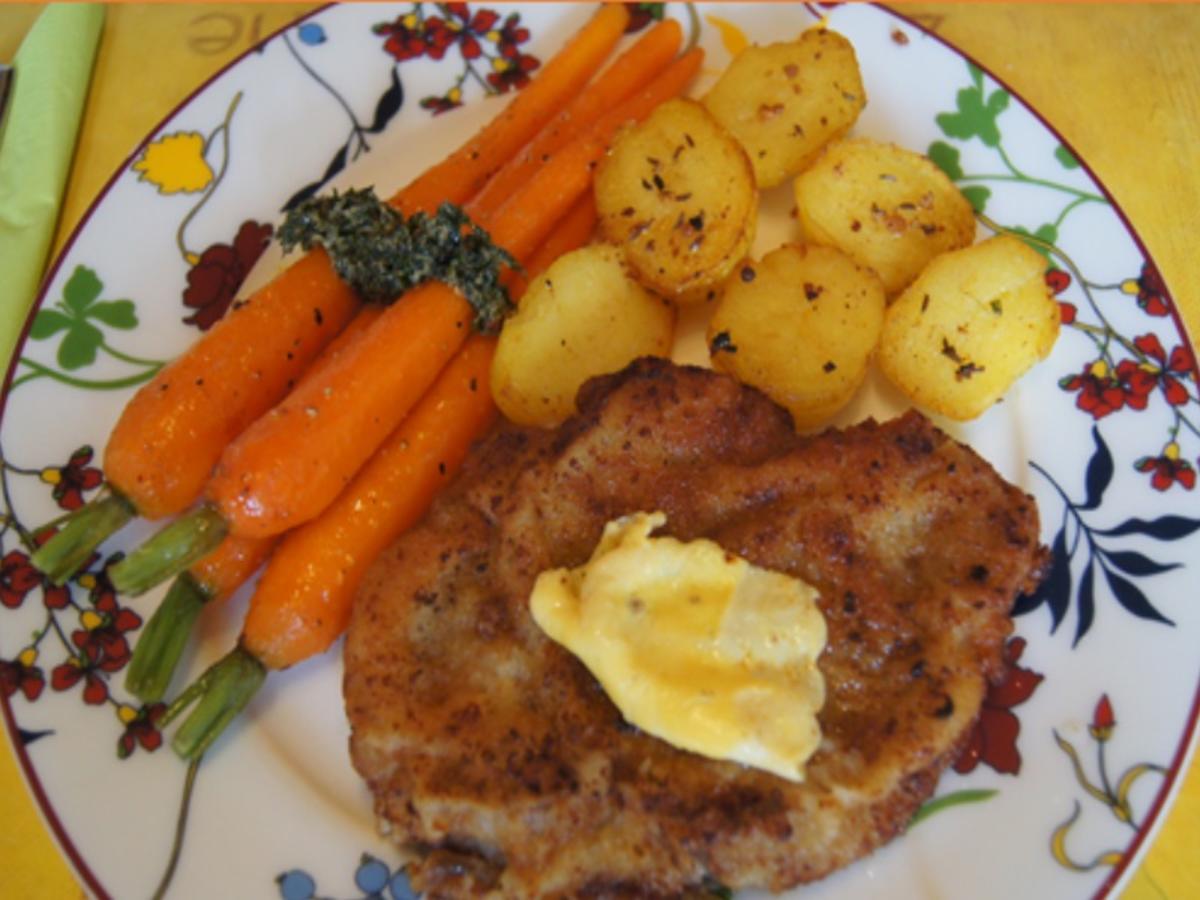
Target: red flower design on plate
x,y
1150,290
101,638
1057,280
1167,469
216,277
510,36
1169,369
17,578
22,675
512,73
1104,390
405,37
71,480
452,99
994,740
66,675
642,14
1103,719
462,27
141,729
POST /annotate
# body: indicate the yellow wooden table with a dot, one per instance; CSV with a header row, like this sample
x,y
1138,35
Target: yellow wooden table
x,y
1121,83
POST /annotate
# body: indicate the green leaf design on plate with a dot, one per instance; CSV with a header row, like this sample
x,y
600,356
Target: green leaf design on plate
x,y
977,196
1045,234
47,323
1065,157
75,314
115,313
946,158
82,289
958,798
78,348
976,112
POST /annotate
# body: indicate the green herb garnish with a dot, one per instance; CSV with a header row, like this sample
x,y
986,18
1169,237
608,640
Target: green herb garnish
x,y
381,254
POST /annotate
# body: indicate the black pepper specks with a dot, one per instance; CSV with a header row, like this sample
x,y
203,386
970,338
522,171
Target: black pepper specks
x,y
722,342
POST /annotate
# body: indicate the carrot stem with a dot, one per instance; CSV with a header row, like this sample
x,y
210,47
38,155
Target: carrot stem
x,y
211,578
219,694
85,530
163,639
169,552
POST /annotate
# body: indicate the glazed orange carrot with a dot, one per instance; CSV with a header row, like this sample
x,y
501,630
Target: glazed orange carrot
x,y
164,445
226,569
574,230
302,602
174,429
215,576
625,75
464,172
290,464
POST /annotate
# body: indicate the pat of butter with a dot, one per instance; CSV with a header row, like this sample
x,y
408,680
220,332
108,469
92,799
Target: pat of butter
x,y
694,645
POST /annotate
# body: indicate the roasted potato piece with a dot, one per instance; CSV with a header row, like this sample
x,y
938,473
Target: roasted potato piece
x,y
785,101
801,326
584,316
887,207
677,193
969,326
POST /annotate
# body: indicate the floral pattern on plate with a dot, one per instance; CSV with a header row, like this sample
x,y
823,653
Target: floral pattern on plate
x,y
1104,433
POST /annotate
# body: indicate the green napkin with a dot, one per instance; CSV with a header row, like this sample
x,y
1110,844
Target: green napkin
x,y
50,85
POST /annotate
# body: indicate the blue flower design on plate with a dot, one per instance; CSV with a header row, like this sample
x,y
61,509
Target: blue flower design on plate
x,y
373,877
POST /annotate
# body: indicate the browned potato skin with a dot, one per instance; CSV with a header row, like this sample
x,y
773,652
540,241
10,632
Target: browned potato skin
x,y
800,325
970,325
584,316
677,193
887,207
805,93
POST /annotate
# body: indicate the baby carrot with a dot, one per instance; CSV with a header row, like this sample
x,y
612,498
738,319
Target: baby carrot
x,y
303,601
213,577
165,444
170,434
574,230
162,641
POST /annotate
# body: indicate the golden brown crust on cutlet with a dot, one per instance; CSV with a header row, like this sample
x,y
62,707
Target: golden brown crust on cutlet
x,y
501,764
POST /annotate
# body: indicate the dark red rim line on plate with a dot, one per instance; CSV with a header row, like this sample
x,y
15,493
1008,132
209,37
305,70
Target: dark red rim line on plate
x,y
50,816
1171,780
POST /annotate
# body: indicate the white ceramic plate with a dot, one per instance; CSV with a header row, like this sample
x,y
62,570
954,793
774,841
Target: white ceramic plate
x,y
1105,434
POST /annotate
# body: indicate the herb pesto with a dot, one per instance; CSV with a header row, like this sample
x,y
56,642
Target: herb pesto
x,y
381,254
